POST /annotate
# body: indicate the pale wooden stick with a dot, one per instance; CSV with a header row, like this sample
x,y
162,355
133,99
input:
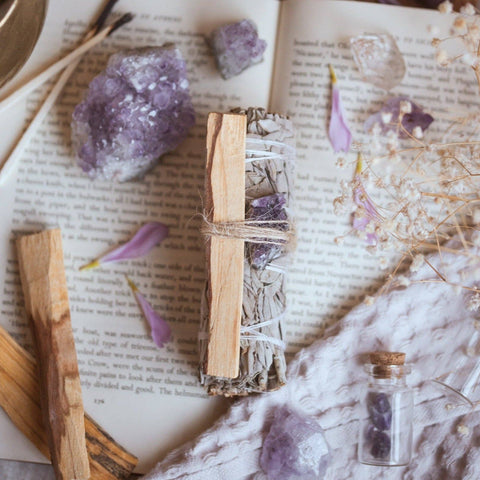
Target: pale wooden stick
x,y
225,202
50,100
20,398
62,63
44,285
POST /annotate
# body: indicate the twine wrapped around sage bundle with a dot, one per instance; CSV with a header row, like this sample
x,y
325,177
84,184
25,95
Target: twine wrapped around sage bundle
x,y
269,176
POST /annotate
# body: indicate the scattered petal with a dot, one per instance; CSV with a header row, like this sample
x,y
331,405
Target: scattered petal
x,y
366,217
339,133
401,109
147,237
161,331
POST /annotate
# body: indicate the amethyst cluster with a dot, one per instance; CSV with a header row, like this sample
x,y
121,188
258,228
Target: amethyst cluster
x,y
135,111
268,208
294,448
377,433
236,46
391,109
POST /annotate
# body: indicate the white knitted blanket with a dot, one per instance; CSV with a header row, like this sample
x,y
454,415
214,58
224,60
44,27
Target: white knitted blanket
x,y
427,320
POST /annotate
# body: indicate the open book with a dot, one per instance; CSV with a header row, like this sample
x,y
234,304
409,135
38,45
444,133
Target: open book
x,y
149,399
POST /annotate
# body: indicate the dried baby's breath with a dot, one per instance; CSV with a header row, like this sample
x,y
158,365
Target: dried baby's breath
x,y
415,193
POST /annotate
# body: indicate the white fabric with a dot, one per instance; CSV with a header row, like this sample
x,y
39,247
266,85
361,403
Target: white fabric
x,y
427,320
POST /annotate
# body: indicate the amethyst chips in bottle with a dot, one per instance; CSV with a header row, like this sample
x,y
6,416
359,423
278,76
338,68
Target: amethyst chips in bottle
x,y
386,432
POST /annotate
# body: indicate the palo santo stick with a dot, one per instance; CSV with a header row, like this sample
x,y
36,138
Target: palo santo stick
x,y
44,285
225,202
53,69
42,112
20,398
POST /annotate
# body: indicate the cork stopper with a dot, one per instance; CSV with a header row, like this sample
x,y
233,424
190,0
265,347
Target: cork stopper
x,y
387,358
384,361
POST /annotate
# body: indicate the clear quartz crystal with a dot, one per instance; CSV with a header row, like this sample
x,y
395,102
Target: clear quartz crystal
x,y
379,59
386,430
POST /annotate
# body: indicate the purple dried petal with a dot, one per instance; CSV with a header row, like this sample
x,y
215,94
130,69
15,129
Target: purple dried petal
x,y
147,237
161,331
417,117
236,46
135,111
338,131
366,212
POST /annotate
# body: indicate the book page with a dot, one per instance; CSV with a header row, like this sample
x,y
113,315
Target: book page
x,y
328,279
147,399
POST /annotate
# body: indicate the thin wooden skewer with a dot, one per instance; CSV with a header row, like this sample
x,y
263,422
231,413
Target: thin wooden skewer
x,y
63,62
51,98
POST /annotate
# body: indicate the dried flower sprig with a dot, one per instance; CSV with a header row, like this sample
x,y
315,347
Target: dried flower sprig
x,y
463,43
412,194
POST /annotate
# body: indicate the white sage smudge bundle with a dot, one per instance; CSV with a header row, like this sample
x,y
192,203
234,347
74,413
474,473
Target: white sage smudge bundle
x,y
269,175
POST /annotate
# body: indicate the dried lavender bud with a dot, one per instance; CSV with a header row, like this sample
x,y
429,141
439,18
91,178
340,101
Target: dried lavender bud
x,y
236,46
268,208
380,410
134,112
380,445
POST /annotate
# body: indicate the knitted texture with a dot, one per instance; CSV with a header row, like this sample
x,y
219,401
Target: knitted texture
x,y
429,321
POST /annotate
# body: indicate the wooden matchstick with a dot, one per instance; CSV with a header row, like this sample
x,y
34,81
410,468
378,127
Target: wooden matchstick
x,y
63,62
51,98
44,285
20,398
225,202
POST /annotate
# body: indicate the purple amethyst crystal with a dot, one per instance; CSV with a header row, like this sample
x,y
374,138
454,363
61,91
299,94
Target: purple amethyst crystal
x,y
236,46
388,117
268,208
135,111
295,447
380,410
381,445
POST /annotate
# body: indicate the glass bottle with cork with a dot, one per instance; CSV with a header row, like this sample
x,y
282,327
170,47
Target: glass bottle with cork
x,y
386,431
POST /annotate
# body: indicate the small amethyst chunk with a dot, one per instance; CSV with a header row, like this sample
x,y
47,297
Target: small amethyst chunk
x,y
380,410
295,447
268,208
412,117
381,445
135,111
236,46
